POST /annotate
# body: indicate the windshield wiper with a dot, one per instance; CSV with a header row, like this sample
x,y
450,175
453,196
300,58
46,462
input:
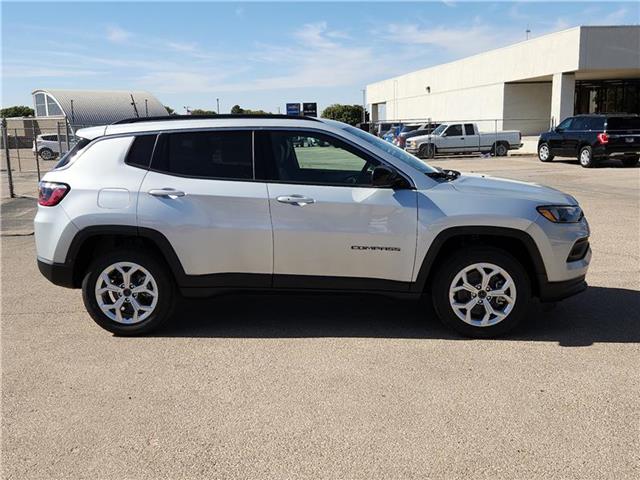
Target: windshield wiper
x,y
444,174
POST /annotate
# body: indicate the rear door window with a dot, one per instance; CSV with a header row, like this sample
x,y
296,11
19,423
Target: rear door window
x,y
596,123
468,129
206,154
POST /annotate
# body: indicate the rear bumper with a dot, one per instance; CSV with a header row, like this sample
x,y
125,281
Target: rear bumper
x,y
57,273
616,151
555,291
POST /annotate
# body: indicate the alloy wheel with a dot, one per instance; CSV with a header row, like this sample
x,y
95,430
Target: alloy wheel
x,y
543,153
585,157
126,292
482,294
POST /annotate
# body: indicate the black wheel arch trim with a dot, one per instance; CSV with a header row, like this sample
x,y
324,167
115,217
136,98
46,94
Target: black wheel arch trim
x,y
464,231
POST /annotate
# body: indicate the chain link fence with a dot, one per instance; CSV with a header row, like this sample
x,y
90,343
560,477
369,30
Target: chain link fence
x,y
31,151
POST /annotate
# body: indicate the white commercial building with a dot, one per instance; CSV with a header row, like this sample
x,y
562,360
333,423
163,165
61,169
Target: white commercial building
x,y
527,86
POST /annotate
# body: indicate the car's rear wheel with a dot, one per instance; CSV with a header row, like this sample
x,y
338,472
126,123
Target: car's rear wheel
x,y
46,153
585,157
481,292
500,149
544,153
128,292
630,161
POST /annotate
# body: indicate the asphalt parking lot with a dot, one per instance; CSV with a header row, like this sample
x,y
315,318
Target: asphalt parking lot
x,y
335,386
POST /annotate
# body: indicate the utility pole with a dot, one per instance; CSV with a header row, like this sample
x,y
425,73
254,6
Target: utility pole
x,y
364,105
218,106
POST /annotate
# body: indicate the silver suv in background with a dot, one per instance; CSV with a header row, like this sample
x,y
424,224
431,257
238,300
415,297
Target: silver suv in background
x,y
142,210
49,146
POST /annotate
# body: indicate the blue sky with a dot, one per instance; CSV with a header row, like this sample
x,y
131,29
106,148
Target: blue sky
x,y
260,55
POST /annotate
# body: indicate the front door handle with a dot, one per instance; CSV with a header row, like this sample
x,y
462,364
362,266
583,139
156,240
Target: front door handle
x,y
295,199
166,193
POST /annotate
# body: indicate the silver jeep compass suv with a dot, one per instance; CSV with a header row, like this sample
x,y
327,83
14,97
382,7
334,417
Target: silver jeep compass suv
x,y
144,209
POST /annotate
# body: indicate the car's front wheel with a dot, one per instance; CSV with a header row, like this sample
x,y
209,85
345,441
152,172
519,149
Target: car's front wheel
x,y
481,292
128,292
427,150
544,153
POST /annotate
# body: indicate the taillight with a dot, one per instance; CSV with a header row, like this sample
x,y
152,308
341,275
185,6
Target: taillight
x,y
603,138
51,193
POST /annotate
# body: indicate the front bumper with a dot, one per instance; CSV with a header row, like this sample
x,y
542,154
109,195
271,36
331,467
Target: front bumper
x,y
555,291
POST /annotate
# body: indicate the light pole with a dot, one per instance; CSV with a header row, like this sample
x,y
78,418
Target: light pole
x,y
364,105
218,106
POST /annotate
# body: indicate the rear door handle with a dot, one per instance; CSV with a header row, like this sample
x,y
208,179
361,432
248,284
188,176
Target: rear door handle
x,y
166,193
295,199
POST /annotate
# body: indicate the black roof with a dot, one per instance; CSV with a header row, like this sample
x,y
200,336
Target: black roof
x,y
615,114
213,117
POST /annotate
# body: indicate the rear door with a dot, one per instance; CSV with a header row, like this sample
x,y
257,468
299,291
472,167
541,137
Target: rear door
x,y
201,195
331,227
471,138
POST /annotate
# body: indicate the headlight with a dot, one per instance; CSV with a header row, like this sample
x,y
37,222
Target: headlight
x,y
561,213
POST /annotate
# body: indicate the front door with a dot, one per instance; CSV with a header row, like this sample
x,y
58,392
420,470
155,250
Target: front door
x,y
201,195
331,227
454,141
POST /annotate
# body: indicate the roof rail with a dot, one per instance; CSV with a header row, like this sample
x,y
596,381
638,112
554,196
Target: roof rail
x,y
212,117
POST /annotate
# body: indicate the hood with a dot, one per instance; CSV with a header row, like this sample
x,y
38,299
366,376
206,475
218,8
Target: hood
x,y
501,187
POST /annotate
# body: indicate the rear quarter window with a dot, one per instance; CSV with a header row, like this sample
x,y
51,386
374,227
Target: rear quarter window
x,y
77,148
141,151
623,123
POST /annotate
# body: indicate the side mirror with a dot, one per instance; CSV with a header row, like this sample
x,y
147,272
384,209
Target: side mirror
x,y
386,177
559,130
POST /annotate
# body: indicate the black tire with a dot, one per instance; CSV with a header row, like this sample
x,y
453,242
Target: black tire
x,y
46,154
542,156
500,149
166,292
585,157
426,151
630,161
461,259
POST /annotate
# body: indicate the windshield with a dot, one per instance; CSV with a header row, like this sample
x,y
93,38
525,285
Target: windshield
x,y
391,149
440,129
67,157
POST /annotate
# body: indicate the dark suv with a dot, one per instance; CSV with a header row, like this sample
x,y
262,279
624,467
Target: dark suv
x,y
590,138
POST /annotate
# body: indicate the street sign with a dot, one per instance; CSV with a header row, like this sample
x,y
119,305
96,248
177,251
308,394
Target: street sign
x,y
293,109
310,109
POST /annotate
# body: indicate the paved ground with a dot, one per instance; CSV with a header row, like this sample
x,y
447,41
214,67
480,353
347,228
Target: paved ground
x,y
334,387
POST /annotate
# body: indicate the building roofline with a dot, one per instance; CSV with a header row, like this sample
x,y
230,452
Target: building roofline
x,y
504,47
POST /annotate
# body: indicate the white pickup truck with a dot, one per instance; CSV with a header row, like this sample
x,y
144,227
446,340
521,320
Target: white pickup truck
x,y
463,138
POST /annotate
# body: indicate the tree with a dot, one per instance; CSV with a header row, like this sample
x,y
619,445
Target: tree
x,y
199,111
237,110
17,111
170,110
351,114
